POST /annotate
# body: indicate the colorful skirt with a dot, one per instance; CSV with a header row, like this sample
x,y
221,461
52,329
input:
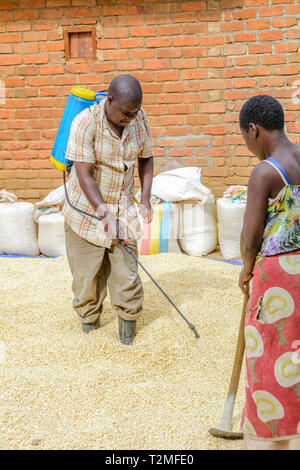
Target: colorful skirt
x,y
272,349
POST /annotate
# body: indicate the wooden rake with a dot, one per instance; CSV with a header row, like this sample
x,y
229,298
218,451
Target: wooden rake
x,y
225,424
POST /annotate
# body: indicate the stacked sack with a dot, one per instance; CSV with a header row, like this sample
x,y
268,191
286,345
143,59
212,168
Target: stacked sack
x,y
51,233
183,215
230,211
18,231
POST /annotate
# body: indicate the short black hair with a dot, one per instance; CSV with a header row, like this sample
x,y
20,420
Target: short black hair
x,y
263,110
126,88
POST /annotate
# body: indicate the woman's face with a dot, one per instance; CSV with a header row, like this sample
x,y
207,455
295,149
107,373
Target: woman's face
x,y
253,141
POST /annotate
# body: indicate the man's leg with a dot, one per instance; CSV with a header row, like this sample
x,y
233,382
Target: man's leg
x,y
125,289
87,263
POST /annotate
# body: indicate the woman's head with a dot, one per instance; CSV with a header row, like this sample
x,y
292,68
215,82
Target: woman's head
x,y
260,116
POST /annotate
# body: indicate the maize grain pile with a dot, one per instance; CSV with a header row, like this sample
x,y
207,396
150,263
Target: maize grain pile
x,y
63,389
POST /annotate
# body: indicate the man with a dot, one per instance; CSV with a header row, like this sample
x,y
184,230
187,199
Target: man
x,y
105,141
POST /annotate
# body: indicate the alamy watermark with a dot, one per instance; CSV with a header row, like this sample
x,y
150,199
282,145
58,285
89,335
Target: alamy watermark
x,y
2,352
296,93
2,93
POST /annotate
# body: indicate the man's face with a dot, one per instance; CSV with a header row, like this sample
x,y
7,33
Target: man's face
x,y
121,113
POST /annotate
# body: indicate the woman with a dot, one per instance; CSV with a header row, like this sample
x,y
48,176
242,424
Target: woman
x,y
270,249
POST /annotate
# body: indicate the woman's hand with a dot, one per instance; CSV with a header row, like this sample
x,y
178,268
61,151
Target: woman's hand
x,y
244,278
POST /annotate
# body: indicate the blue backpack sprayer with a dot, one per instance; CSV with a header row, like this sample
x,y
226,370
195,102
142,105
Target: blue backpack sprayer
x,y
78,100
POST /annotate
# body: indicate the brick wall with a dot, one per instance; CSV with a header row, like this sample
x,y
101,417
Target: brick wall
x,y
198,61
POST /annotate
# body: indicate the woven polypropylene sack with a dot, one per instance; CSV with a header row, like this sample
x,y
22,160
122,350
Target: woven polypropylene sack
x,y
161,235
197,227
230,212
51,235
18,230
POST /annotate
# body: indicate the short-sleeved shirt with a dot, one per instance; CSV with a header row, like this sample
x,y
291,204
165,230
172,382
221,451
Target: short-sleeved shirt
x,y
92,140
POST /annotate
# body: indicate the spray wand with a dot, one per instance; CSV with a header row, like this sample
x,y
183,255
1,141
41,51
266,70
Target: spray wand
x,y
124,244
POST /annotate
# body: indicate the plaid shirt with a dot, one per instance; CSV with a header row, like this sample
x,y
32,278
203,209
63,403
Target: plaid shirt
x,y
92,140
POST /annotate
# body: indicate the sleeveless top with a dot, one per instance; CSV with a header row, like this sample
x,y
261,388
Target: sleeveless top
x,y
282,228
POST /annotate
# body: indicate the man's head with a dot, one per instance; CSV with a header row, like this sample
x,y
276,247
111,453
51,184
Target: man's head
x,y
260,117
124,100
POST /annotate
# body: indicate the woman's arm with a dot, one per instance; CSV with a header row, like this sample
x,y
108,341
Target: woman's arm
x,y
254,220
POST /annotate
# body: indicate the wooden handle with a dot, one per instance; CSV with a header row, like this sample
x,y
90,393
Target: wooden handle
x,y
240,347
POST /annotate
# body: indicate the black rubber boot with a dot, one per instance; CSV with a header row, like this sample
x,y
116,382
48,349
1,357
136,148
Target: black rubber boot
x,y
87,327
127,330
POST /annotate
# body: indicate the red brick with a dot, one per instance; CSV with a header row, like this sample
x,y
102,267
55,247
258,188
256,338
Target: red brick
x,y
244,13
244,37
52,46
292,9
260,48
168,30
213,108
11,38
286,70
287,47
51,69
213,62
193,6
131,43
10,60
292,34
193,74
158,42
156,64
274,59
185,41
244,83
195,52
106,44
184,63
270,35
258,71
211,40
25,15
271,11
143,31
258,24
114,10
19,26
256,3
36,59
9,4
271,82
194,28
233,26
235,49
115,32
284,22
35,36
247,60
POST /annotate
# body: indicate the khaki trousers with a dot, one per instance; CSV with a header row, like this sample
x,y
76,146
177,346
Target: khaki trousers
x,y
94,269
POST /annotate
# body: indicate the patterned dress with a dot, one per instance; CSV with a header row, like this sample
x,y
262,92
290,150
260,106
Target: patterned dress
x,y
272,324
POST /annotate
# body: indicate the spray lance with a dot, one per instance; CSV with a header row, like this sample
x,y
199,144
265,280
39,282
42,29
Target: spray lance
x,y
78,100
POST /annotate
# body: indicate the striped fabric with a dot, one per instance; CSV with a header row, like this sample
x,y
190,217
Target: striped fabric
x,y
161,235
92,140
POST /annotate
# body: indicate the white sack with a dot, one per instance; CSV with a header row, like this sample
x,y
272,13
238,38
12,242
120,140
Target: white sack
x,y
54,198
179,185
197,227
230,211
18,231
51,235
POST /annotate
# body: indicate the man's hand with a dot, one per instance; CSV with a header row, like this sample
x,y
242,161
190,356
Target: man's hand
x,y
111,227
244,278
146,211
